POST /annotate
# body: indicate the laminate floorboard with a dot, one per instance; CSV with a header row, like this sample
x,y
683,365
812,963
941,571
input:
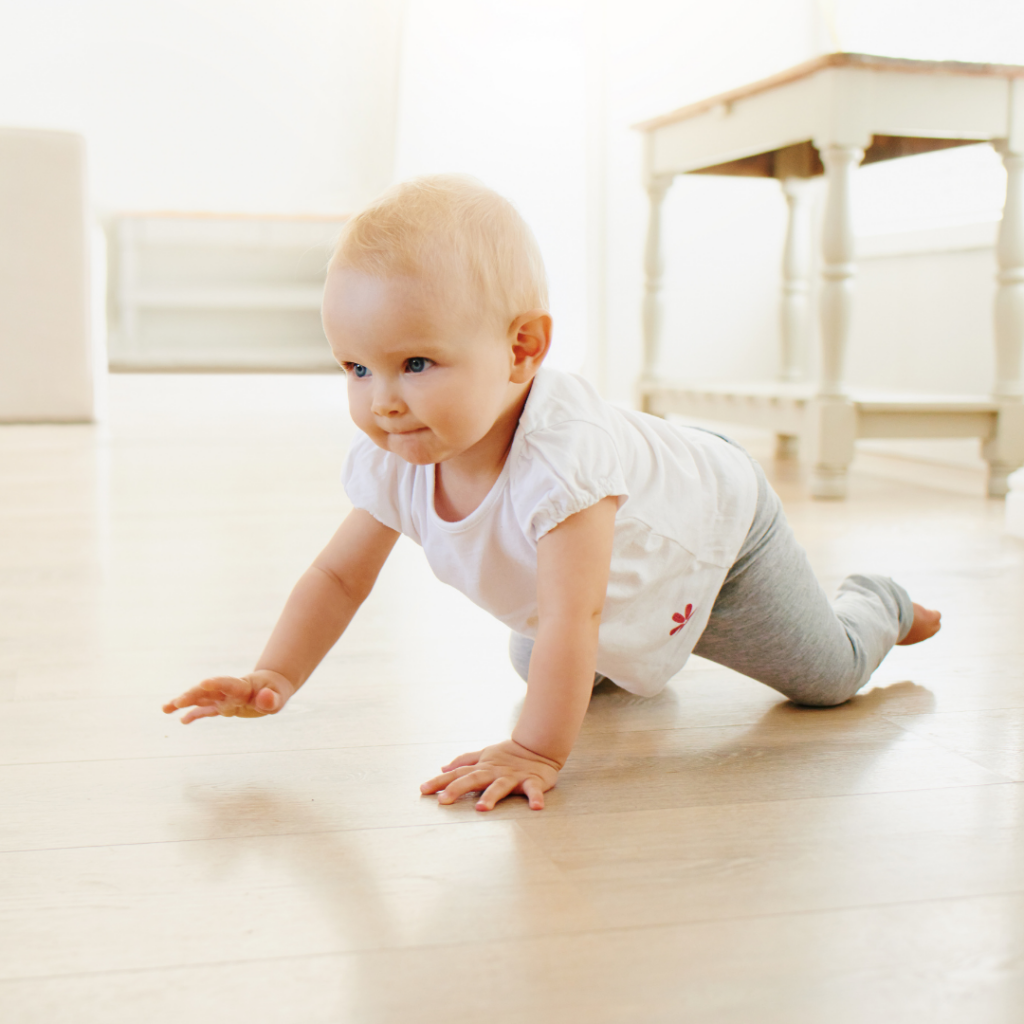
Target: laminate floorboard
x,y
714,854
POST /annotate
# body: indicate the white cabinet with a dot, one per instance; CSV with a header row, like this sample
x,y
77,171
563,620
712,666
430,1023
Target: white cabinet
x,y
218,292
46,357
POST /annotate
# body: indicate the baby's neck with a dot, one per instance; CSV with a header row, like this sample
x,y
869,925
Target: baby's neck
x,y
462,482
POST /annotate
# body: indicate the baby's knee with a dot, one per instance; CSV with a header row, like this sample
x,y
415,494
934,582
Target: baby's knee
x,y
823,692
821,700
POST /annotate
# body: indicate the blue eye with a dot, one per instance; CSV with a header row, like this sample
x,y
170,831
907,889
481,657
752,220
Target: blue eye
x,y
359,370
417,364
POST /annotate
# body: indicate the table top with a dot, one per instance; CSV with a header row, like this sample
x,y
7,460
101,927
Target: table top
x,y
888,107
865,61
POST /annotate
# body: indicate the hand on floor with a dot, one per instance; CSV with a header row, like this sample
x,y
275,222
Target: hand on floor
x,y
252,696
496,772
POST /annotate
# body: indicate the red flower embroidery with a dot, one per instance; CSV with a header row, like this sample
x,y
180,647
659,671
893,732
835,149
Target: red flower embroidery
x,y
681,619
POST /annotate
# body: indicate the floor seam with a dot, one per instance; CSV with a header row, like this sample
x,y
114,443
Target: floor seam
x,y
567,933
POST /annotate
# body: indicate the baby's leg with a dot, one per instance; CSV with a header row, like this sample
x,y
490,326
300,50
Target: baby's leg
x,y
519,650
773,622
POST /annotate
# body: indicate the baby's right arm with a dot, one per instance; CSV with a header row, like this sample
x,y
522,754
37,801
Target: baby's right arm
x,y
316,614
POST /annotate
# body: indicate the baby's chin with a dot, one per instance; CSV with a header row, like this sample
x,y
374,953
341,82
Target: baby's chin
x,y
416,448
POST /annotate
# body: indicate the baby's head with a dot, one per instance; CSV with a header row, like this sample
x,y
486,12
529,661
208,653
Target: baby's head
x,y
435,305
467,241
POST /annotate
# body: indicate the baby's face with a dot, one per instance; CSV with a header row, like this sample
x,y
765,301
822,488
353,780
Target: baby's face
x,y
423,381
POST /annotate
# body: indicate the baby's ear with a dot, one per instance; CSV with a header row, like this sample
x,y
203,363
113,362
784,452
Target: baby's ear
x,y
530,334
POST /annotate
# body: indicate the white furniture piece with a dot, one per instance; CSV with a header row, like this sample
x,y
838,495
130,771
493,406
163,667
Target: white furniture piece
x,y
45,338
218,292
1015,504
826,117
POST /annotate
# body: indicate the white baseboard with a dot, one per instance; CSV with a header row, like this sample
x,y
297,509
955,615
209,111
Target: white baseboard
x,y
945,238
946,465
1015,505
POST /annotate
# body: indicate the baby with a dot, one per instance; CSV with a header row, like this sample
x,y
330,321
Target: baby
x,y
612,543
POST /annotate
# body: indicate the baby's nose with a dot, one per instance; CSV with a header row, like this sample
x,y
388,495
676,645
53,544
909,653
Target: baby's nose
x,y
387,402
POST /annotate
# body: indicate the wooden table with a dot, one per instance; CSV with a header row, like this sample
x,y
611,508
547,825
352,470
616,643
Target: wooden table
x,y
826,117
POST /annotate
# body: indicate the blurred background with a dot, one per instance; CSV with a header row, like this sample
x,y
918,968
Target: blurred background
x,y
225,140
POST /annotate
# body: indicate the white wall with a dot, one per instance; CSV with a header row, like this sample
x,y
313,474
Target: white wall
x,y
45,354
926,280
497,90
721,243
537,98
985,31
723,237
314,105
252,105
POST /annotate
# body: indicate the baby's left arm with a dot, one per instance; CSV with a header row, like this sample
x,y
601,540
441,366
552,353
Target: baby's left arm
x,y
573,561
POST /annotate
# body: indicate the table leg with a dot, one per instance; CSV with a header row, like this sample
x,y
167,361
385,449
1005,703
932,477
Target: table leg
x,y
653,269
838,267
796,286
833,418
795,306
1004,452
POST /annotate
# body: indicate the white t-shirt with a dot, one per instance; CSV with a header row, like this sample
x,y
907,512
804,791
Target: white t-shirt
x,y
686,502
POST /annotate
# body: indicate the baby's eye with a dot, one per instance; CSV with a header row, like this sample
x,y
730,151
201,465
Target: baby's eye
x,y
417,364
357,369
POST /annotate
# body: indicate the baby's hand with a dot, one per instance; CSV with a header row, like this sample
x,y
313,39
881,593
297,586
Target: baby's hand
x,y
252,696
497,771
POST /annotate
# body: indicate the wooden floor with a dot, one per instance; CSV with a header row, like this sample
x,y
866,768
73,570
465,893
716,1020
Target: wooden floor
x,y
712,855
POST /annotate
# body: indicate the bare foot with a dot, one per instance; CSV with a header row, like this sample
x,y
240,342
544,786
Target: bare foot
x,y
926,624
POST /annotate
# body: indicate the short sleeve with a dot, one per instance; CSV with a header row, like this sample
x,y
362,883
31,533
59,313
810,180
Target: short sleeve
x,y
561,470
373,482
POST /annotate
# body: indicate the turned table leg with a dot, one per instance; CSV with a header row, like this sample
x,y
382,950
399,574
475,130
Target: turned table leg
x,y
1004,451
796,285
795,306
654,266
832,415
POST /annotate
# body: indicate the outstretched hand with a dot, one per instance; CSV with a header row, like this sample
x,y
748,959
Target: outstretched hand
x,y
252,696
496,772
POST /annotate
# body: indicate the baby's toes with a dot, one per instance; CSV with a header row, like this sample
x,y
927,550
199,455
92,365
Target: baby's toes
x,y
926,624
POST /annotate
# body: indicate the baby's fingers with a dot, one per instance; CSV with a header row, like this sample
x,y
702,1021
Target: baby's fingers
x,y
218,690
195,695
440,781
495,792
534,792
195,713
469,783
451,772
463,760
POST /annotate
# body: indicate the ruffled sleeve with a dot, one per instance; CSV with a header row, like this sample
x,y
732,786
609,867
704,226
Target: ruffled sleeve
x,y
561,470
373,481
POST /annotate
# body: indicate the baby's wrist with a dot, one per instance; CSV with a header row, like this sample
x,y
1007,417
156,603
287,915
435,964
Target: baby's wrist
x,y
278,680
528,751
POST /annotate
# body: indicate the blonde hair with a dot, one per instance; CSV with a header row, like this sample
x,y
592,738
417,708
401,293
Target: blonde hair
x,y
455,230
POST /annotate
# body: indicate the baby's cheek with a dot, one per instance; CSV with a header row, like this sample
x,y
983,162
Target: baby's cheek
x,y
359,411
461,421
372,431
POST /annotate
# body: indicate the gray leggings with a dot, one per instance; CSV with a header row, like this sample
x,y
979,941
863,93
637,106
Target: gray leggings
x,y
773,622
